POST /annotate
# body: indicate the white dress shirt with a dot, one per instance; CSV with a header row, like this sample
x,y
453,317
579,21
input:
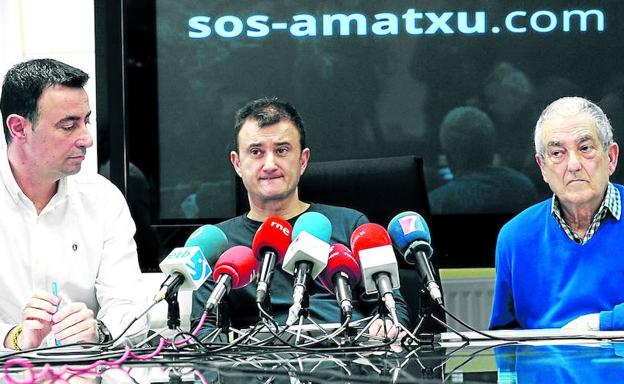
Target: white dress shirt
x,y
82,240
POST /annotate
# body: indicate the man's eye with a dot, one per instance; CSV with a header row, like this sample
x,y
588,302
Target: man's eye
x,y
255,151
282,151
67,127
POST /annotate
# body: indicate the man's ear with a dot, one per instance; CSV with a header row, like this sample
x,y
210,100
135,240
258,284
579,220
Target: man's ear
x,y
17,126
540,162
305,157
613,153
235,160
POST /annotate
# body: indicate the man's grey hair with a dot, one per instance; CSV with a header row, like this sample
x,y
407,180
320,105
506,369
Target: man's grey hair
x,y
570,106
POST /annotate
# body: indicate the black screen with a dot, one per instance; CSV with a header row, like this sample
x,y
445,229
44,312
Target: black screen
x,y
370,79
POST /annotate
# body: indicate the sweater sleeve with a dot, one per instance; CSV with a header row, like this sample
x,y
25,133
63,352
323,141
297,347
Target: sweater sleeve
x,y
503,312
612,320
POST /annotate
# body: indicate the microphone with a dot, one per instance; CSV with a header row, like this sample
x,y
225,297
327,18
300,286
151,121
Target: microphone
x,y
269,247
372,246
341,275
410,235
236,268
306,256
189,266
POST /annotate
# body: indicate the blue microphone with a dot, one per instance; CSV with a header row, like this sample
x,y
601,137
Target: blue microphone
x,y
188,267
306,256
410,236
310,242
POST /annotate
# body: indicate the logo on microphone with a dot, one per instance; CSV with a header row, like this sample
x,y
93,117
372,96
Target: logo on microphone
x,y
280,227
198,265
411,223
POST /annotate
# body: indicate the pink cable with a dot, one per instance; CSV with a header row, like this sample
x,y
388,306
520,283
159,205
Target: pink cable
x,y
48,372
202,320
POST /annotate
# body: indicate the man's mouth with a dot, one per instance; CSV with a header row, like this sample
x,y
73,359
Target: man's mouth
x,y
576,181
270,178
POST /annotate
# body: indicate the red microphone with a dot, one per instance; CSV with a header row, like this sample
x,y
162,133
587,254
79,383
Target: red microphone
x,y
341,274
369,235
372,246
236,268
269,246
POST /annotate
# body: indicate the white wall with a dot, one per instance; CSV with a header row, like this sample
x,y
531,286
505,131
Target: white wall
x,y
59,29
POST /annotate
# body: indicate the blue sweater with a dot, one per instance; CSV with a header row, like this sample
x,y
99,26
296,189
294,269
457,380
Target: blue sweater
x,y
545,280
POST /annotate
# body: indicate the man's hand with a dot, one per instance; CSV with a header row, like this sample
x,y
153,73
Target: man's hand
x,y
75,323
36,321
589,322
378,329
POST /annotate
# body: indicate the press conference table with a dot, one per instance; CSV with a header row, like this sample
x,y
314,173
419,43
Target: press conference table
x,y
550,356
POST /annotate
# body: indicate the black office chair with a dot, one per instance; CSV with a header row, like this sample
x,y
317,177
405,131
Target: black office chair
x,y
380,187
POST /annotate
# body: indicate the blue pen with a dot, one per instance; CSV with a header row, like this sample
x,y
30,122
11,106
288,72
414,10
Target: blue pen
x,y
55,293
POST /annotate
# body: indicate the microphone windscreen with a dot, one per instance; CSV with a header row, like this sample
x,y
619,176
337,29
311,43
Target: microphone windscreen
x,y
274,235
240,263
316,224
369,235
406,228
210,239
340,260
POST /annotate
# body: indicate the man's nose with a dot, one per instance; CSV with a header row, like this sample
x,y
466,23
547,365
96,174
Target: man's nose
x,y
85,140
574,161
269,162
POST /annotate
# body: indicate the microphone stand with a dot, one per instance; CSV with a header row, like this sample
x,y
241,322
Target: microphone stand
x,y
426,314
173,310
304,312
223,318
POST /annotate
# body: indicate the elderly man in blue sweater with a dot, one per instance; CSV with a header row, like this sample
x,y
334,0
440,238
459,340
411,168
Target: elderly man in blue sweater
x,y
560,263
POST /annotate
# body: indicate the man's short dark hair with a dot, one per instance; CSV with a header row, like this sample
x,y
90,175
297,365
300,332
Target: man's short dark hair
x,y
467,138
25,82
268,111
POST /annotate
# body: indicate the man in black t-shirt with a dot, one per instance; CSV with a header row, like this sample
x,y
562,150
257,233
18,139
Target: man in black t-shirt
x,y
270,156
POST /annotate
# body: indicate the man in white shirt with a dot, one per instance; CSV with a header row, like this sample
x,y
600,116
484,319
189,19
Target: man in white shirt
x,y
69,262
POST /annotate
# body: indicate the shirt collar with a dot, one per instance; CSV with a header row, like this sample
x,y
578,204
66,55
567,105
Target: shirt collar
x,y
612,202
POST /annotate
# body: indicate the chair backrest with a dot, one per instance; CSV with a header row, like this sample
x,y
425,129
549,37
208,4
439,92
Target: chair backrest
x,y
379,187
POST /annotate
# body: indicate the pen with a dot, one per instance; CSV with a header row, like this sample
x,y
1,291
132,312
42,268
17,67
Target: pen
x,y
55,293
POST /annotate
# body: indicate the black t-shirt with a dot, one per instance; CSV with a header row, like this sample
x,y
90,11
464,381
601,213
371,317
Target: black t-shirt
x,y
323,307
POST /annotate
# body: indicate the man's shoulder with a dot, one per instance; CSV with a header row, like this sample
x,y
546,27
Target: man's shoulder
x,y
333,211
92,182
239,230
234,222
93,187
